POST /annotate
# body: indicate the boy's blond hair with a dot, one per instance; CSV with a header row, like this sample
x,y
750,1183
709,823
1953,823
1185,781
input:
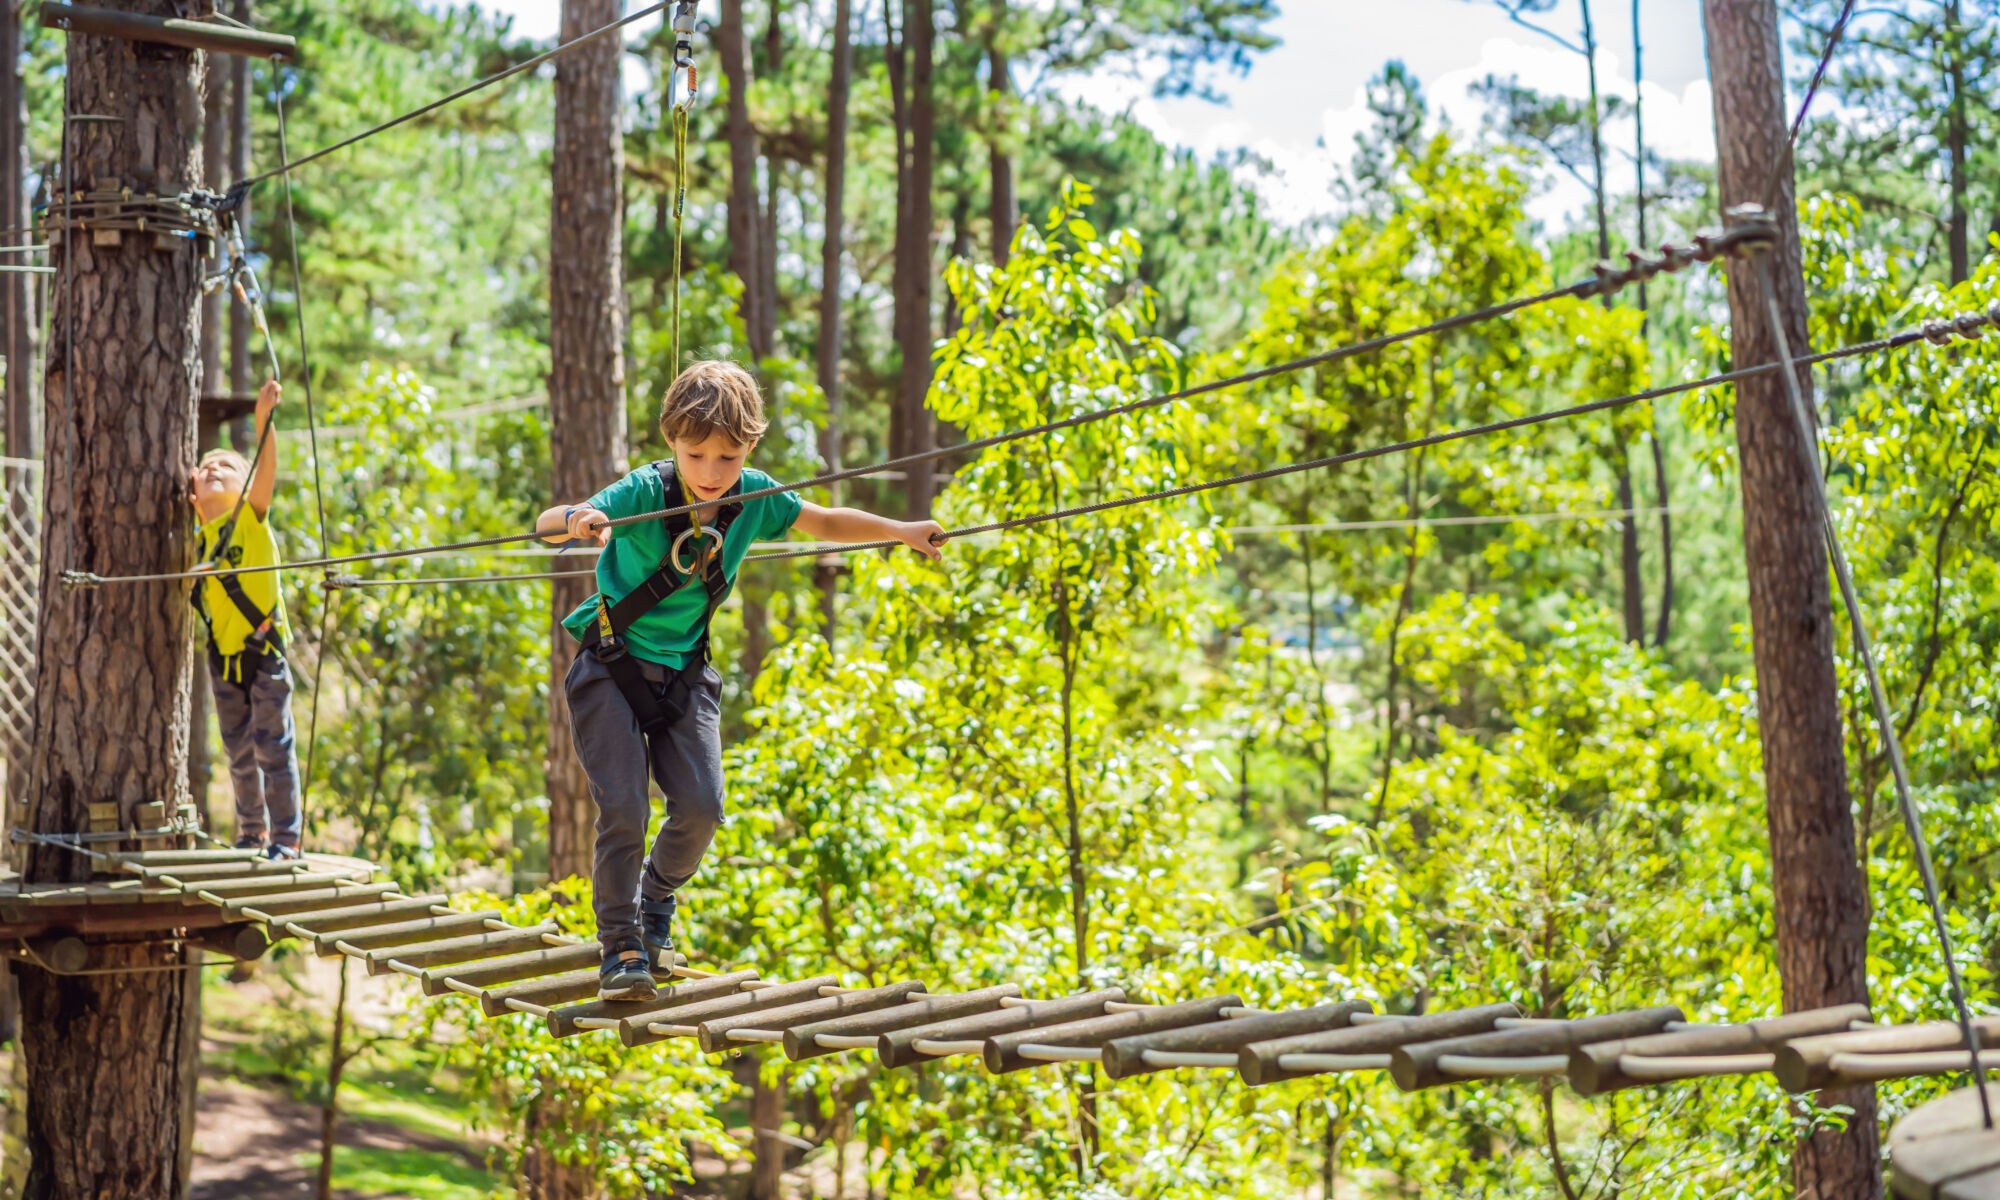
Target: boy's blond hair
x,y
712,397
242,463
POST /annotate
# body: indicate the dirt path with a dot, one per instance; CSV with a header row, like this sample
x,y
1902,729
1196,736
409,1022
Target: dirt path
x,y
247,1143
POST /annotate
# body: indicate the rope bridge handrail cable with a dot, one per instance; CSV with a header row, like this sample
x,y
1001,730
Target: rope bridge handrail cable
x,y
1605,280
1939,331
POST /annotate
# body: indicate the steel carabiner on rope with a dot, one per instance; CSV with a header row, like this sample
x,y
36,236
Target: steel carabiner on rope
x,y
683,26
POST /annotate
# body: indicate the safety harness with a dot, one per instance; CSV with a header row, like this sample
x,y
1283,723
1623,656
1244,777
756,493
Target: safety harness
x,y
659,708
263,641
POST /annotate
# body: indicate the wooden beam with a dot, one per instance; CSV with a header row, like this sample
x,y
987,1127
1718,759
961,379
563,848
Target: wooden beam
x,y
171,31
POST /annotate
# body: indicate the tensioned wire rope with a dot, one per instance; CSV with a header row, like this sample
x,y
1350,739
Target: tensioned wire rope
x,y
1970,325
1604,281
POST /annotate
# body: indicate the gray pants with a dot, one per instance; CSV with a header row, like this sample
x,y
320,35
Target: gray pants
x,y
257,735
687,762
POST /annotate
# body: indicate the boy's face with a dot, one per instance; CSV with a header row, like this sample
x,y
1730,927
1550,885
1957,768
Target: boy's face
x,y
219,474
711,466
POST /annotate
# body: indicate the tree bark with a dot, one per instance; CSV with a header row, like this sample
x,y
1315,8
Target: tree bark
x,y
767,241
208,427
329,1113
111,1059
999,158
587,447
745,212
1819,889
1660,488
1957,134
832,278
16,296
767,1116
915,216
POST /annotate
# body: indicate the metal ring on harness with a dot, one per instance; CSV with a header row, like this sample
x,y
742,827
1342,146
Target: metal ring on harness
x,y
688,568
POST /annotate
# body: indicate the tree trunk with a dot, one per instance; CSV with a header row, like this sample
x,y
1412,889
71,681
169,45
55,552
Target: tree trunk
x,y
1819,888
16,296
767,1117
832,276
329,1113
745,213
767,241
587,447
999,158
214,143
1957,134
915,169
1660,489
112,1059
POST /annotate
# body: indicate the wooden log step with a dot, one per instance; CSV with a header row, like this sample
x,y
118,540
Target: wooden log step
x,y
198,874
685,1021
539,997
1809,1064
170,858
415,956
851,1032
235,889
1142,1054
1598,1068
296,902
563,1021
512,968
336,918
899,1048
770,1024
1003,1053
330,933
1528,1050
1943,1150
1359,1047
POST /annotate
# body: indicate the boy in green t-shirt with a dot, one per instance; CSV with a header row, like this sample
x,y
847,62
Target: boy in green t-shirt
x,y
245,619
643,694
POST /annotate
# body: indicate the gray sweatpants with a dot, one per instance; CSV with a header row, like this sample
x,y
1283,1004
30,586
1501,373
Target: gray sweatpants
x,y
257,735
687,762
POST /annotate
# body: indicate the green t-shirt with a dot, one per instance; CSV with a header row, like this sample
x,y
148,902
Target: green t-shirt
x,y
669,632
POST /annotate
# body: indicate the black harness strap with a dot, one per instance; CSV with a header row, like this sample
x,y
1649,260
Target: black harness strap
x,y
605,639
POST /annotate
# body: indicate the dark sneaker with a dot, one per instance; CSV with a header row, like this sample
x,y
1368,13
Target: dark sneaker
x,y
624,976
278,852
250,841
656,925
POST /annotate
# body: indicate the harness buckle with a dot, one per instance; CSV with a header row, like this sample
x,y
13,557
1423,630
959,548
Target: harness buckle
x,y
707,552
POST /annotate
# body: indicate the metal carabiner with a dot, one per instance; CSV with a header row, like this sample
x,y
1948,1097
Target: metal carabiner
x,y
683,27
689,568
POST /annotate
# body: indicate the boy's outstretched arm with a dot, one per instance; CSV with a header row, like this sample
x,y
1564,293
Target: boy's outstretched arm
x,y
853,525
264,472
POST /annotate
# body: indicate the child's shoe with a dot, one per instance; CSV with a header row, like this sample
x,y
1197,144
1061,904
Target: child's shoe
x,y
279,852
624,976
250,841
656,925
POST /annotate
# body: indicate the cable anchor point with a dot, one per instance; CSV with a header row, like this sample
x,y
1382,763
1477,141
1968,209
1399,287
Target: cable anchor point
x,y
683,27
81,579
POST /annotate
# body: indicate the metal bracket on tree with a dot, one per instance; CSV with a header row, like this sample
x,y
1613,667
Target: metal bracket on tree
x,y
110,209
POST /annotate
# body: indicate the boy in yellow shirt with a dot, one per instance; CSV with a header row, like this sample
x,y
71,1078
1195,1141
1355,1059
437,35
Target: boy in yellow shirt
x,y
245,619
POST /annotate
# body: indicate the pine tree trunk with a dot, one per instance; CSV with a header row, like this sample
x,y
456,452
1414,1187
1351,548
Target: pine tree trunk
x,y
112,1059
1821,895
826,574
913,284
1957,134
745,212
242,360
999,161
587,445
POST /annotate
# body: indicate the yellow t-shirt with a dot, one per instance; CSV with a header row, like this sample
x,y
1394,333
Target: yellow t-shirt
x,y
251,546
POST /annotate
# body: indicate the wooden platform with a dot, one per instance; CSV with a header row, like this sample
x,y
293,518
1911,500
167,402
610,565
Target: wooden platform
x,y
140,902
1943,1151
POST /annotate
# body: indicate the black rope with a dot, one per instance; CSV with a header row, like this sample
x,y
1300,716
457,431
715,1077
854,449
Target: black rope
x,y
286,167
1970,325
1605,280
312,435
1878,695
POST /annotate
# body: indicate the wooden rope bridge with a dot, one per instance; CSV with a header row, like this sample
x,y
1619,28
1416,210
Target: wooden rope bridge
x,y
237,903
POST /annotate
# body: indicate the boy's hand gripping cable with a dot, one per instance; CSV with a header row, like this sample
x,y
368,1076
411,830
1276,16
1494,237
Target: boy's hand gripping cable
x,y
1605,280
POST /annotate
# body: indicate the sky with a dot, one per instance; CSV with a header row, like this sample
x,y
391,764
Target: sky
x,y
1302,102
